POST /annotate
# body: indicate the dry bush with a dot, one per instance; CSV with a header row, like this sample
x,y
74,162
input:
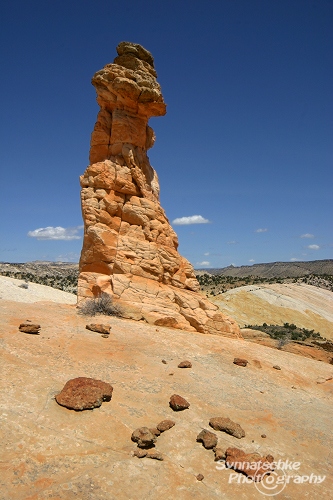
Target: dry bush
x,y
100,305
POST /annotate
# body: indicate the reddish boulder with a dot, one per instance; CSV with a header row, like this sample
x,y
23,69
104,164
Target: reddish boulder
x,y
178,403
252,465
165,425
84,393
29,328
207,438
228,426
185,364
144,437
99,328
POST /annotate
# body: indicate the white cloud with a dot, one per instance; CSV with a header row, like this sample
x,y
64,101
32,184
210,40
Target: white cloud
x,y
251,260
260,230
204,263
313,247
56,233
232,242
206,254
192,219
68,257
294,259
307,235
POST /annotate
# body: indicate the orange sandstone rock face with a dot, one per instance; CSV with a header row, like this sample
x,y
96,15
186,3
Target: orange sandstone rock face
x,y
130,249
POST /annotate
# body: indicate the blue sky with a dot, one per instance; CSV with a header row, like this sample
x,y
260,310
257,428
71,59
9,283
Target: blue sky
x,y
244,154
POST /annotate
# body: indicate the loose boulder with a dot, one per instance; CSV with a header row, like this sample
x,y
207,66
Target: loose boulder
x,y
240,362
84,393
252,465
207,438
228,426
165,425
185,364
99,328
30,328
143,437
178,403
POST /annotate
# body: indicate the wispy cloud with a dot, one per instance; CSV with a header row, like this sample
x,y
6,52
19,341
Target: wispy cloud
x,y
251,260
294,259
313,247
192,219
204,263
206,254
307,235
261,230
56,233
232,242
68,257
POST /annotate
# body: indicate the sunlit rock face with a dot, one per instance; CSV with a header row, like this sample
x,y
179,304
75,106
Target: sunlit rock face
x,y
129,248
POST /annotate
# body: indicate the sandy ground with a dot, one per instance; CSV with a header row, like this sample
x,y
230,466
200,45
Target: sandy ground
x,y
49,451
304,305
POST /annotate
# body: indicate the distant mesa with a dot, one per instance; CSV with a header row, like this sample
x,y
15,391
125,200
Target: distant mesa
x,y
129,248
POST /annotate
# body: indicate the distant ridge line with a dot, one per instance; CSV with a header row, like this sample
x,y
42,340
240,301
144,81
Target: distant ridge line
x,y
275,269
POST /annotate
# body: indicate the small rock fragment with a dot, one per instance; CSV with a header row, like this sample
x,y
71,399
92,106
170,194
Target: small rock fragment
x,y
165,425
105,336
207,438
139,453
170,373
228,426
178,403
144,437
219,454
84,393
164,362
277,367
200,477
99,328
263,435
156,455
251,464
29,328
185,364
240,362
155,431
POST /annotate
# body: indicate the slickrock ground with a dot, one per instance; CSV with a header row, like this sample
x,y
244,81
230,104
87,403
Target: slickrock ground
x,y
304,305
50,452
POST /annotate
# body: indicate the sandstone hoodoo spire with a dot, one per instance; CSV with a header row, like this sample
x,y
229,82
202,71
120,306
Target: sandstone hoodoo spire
x,y
130,249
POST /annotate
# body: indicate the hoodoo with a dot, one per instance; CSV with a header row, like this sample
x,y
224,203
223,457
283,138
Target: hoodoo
x,y
129,248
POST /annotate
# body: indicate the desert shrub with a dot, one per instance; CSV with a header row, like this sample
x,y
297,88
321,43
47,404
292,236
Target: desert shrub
x,y
100,305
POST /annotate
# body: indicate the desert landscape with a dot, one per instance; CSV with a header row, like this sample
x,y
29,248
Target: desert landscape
x,y
132,376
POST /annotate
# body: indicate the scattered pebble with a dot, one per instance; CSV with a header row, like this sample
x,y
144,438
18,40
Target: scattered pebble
x,y
263,435
99,328
144,437
155,431
200,477
164,362
30,328
139,453
277,367
185,364
84,393
240,362
165,425
156,455
228,426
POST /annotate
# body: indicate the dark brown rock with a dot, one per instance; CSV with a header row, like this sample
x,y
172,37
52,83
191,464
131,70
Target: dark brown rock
x,y
178,403
228,426
29,328
277,367
99,328
185,364
200,477
263,435
240,362
165,425
251,464
84,393
144,437
164,362
155,431
207,438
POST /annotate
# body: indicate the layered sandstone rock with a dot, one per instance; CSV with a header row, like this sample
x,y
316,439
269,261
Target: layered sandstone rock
x,y
130,249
